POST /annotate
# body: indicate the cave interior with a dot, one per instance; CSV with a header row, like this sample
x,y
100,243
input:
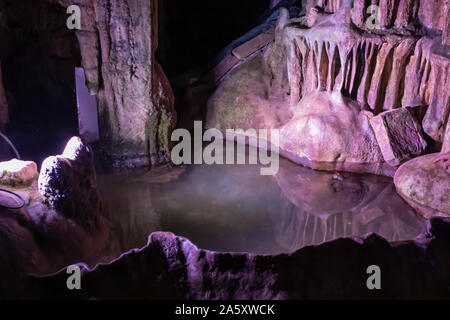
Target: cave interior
x,y
114,157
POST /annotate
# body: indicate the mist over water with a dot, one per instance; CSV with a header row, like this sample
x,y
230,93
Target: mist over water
x,y
233,208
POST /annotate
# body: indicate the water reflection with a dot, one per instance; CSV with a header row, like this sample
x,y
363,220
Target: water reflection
x,y
324,206
234,208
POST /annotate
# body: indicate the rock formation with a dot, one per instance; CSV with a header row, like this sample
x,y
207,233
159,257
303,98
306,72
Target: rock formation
x,y
171,267
62,226
397,62
424,182
69,186
118,40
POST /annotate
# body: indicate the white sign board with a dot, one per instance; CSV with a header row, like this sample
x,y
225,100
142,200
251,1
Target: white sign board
x,y
87,109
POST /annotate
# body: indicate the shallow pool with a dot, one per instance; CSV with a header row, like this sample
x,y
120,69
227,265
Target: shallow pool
x,y
233,208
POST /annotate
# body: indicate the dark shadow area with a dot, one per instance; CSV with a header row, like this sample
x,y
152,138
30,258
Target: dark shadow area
x,y
38,75
192,32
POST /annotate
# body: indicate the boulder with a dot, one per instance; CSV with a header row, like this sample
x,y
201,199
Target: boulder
x,y
425,185
399,135
17,173
331,132
68,184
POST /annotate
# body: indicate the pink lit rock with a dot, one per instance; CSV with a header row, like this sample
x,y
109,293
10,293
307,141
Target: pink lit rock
x,y
17,173
376,71
331,131
399,135
425,185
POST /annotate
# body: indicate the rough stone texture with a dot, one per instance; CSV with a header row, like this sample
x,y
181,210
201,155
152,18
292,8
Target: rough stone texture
x,y
444,158
68,184
425,185
4,114
446,32
379,70
37,240
247,98
118,41
402,14
17,173
170,267
399,136
333,132
446,144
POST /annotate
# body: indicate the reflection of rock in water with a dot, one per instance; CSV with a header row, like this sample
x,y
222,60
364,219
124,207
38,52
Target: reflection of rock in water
x,y
324,206
129,204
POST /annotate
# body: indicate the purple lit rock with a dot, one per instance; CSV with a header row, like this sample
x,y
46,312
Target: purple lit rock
x,y
425,185
331,132
68,184
399,135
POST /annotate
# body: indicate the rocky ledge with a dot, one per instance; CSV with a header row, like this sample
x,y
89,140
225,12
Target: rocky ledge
x,y
171,267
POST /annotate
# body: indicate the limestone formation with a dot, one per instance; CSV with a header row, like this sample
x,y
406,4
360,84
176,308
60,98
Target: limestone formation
x,y
118,40
399,135
331,132
68,184
399,64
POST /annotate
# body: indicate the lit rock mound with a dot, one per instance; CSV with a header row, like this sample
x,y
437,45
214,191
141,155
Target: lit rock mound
x,y
424,182
68,184
331,132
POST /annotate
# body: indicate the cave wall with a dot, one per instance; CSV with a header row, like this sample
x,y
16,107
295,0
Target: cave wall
x,y
38,55
402,64
394,13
